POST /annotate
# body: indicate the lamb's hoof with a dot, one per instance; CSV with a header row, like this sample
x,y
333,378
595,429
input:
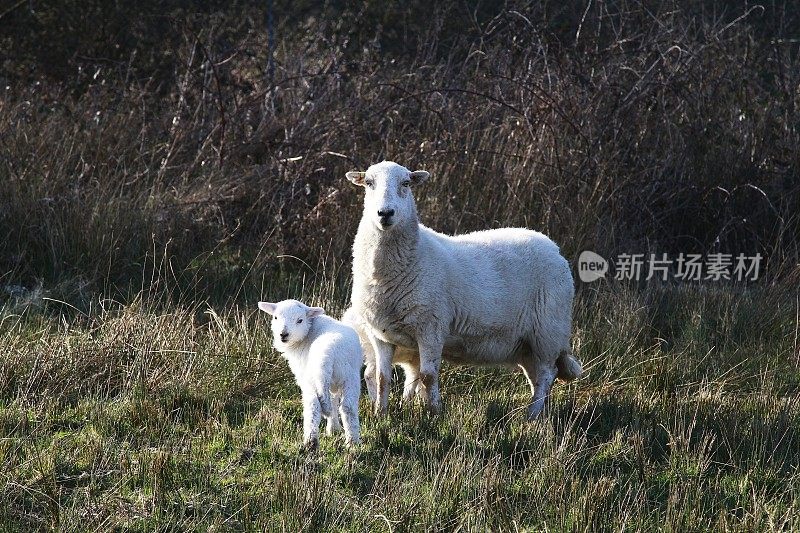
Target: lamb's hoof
x,y
310,446
381,410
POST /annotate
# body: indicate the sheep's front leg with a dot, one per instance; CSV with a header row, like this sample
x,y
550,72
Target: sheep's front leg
x,y
383,373
430,361
312,414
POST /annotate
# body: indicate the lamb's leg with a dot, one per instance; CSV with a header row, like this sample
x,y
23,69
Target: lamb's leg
x,y
540,377
333,425
430,360
349,411
325,404
322,386
312,414
383,367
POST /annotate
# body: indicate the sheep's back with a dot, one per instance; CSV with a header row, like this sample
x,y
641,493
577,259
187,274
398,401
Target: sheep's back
x,y
499,279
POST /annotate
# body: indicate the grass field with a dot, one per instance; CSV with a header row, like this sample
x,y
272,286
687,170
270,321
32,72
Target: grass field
x,y
159,416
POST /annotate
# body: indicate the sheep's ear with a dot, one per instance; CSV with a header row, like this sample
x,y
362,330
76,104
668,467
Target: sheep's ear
x,y
267,307
356,178
419,177
311,312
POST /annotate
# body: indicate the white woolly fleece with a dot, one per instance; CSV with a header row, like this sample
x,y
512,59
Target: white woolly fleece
x,y
325,357
500,296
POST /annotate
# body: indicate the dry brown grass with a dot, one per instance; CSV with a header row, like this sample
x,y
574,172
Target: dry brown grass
x,y
617,127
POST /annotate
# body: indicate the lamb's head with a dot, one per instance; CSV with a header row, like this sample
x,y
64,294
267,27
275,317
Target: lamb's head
x,y
388,201
291,321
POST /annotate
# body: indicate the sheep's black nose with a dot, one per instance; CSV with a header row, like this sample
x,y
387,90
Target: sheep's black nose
x,y
284,336
385,213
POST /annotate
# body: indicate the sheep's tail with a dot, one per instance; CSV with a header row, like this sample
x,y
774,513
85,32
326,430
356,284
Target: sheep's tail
x,y
568,366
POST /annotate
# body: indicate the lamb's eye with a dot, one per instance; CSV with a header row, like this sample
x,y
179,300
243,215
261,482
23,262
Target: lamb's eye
x,y
299,320
406,183
370,183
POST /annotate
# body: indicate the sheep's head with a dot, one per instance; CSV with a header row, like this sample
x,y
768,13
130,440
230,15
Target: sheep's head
x,y
388,201
291,321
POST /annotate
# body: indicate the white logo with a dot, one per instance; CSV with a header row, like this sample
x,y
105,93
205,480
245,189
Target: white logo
x,y
687,267
591,266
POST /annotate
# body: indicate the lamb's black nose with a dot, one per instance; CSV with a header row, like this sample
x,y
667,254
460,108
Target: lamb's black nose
x,y
284,336
385,213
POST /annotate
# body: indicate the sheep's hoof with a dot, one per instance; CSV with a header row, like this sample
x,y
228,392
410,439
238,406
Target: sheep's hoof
x,y
534,412
435,408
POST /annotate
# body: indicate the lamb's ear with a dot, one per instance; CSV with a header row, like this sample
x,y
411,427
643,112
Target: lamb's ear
x,y
267,307
356,178
419,177
311,312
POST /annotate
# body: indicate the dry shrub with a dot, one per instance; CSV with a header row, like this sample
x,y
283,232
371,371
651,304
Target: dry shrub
x,y
621,126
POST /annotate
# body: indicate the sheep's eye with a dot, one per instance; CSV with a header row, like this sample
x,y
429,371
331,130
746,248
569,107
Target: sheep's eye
x,y
406,183
299,320
370,183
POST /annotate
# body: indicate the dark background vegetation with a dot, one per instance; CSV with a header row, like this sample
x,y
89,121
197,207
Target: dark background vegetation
x,y
157,177
138,136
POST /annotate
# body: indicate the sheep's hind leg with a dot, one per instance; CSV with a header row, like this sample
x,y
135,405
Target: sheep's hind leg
x,y
412,385
541,378
370,373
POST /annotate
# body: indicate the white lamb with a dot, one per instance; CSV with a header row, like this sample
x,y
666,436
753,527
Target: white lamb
x,y
325,357
491,297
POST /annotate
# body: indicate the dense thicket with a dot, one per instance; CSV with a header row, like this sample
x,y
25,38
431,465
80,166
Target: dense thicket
x,y
135,133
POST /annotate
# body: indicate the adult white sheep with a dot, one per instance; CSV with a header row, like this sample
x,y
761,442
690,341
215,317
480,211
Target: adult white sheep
x,y
501,296
325,357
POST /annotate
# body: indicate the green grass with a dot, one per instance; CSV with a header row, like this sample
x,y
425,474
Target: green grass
x,y
155,416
